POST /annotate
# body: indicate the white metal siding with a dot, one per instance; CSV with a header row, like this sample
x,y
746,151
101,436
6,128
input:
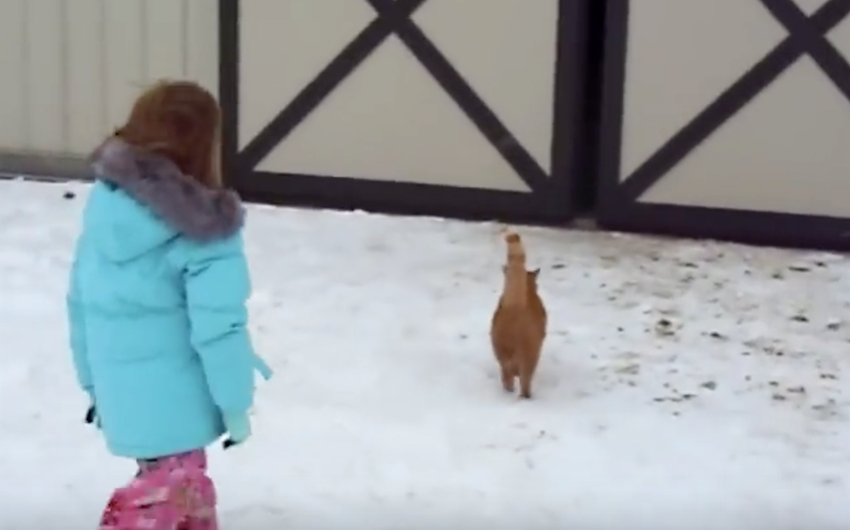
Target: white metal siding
x,y
70,69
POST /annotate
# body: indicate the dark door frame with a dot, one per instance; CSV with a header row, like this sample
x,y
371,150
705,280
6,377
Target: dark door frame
x,y
619,208
552,198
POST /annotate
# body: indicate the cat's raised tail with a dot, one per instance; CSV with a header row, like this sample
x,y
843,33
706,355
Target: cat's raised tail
x,y
515,291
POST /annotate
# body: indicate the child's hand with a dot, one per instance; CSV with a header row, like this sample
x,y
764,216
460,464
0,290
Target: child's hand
x,y
238,429
91,414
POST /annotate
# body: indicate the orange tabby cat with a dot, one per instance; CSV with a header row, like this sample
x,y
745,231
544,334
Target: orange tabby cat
x,y
518,328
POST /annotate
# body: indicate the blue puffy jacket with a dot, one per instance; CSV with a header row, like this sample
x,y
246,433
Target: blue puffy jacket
x,y
156,306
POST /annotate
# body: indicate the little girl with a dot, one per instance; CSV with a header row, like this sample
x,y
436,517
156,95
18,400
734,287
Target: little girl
x,y
157,309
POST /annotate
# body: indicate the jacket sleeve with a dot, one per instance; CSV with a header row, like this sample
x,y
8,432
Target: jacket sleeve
x,y
217,283
77,325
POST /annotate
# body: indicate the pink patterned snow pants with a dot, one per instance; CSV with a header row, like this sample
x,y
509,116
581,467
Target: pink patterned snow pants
x,y
169,493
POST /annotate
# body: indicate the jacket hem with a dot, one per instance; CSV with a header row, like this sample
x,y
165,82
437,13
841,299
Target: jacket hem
x,y
143,453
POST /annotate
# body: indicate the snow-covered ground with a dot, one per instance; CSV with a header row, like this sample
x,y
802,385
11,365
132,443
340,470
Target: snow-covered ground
x,y
684,384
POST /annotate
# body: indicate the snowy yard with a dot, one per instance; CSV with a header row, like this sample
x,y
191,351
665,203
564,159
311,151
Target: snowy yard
x,y
683,385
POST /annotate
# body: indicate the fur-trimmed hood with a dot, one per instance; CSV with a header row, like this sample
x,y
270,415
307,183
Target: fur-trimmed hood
x,y
182,203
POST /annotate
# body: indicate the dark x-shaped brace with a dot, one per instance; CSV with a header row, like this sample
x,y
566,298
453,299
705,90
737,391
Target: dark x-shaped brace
x,y
394,18
807,36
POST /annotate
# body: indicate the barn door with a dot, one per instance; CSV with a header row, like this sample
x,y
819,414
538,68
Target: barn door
x,y
728,119
462,108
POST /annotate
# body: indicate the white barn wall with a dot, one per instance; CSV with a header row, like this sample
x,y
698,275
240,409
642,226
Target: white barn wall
x,y
71,68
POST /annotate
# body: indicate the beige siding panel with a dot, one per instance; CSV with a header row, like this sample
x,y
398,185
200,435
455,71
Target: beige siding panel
x,y
45,75
163,35
126,57
86,90
72,68
201,41
13,94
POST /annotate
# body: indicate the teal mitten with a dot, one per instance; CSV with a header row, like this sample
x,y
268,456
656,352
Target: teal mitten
x,y
238,429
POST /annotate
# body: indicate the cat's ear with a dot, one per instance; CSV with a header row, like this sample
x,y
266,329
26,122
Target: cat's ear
x,y
535,273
